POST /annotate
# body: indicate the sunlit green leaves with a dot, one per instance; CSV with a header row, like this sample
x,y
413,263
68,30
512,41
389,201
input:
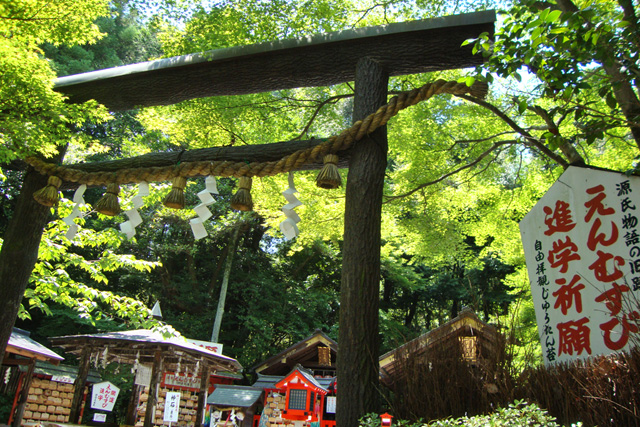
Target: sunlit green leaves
x,y
51,280
58,21
34,119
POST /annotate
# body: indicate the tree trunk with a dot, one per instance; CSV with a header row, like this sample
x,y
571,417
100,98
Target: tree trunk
x,y
225,283
19,252
357,364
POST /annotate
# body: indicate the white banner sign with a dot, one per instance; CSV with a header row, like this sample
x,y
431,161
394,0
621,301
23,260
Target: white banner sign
x,y
331,405
104,395
207,345
171,406
582,247
62,379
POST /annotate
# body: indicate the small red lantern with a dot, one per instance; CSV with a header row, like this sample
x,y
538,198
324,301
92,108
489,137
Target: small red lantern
x,y
385,420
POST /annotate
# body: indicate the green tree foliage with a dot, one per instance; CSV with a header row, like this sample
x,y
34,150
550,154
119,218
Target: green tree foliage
x,y
71,274
584,56
460,170
52,277
33,117
519,413
126,40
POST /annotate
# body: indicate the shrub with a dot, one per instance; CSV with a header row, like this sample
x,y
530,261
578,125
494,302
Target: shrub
x,y
517,414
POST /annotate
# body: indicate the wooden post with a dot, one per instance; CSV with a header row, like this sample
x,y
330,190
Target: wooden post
x,y
156,377
357,360
202,395
24,393
132,408
78,386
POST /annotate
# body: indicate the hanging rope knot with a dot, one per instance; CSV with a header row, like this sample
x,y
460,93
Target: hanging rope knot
x,y
175,199
329,176
48,196
109,203
241,201
291,162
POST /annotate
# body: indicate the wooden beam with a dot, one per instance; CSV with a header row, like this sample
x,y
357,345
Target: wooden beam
x,y
156,377
202,395
247,153
322,60
15,362
79,385
24,393
132,408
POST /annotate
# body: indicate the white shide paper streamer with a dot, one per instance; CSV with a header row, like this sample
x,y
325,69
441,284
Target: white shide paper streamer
x,y
289,226
206,199
129,227
78,199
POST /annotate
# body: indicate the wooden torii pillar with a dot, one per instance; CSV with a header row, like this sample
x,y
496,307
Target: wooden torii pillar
x,y
360,283
366,55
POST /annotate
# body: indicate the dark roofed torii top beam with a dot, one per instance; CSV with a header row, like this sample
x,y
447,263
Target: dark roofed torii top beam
x,y
321,60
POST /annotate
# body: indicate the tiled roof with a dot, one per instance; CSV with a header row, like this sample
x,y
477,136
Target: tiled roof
x,y
234,396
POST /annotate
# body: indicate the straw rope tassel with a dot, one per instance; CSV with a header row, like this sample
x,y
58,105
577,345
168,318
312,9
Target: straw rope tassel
x,y
241,201
175,198
48,196
109,203
329,176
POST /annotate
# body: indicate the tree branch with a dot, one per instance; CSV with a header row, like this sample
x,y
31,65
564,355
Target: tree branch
x,y
530,138
477,160
565,146
332,99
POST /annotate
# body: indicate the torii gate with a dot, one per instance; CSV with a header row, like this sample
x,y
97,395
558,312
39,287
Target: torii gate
x,y
368,56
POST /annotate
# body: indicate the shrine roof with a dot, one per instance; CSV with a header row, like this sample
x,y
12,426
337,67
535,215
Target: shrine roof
x,y
320,60
234,396
299,353
467,322
20,344
269,381
303,375
139,346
